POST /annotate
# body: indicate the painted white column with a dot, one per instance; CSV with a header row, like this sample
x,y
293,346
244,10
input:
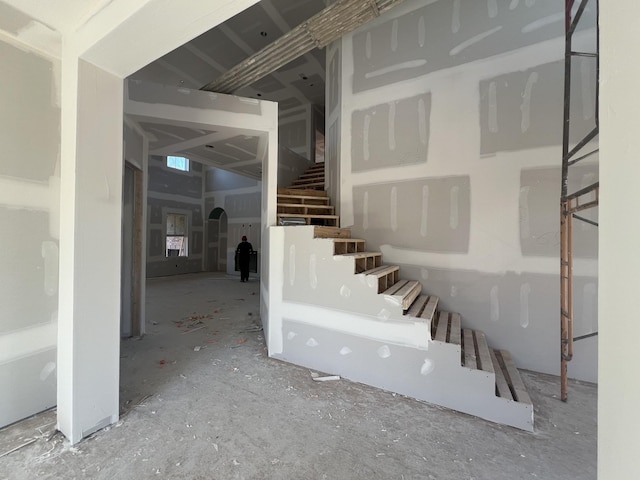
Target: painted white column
x,y
619,241
90,240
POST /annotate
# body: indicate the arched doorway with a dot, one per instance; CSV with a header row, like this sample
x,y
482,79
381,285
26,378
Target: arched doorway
x,y
217,241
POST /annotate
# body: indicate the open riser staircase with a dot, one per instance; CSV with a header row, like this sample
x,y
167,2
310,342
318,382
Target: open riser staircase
x,y
338,294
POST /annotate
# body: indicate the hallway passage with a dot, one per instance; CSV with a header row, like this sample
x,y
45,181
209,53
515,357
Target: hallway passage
x,y
200,399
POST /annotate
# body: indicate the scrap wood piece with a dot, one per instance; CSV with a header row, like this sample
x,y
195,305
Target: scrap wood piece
x,y
192,330
328,378
18,447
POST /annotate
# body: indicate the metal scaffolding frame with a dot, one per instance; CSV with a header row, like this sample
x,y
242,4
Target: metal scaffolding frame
x,y
571,203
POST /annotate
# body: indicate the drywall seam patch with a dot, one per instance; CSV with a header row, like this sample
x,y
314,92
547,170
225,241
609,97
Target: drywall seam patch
x,y
525,107
473,40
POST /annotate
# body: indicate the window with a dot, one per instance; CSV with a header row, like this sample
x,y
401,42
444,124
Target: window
x,y
179,163
177,239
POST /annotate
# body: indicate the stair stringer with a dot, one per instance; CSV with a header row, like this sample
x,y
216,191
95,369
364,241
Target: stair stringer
x,y
431,374
365,338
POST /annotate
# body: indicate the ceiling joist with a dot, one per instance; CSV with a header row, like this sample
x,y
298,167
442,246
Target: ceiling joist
x,y
338,19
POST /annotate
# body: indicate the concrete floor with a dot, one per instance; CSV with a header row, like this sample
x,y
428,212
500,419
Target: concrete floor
x,y
226,411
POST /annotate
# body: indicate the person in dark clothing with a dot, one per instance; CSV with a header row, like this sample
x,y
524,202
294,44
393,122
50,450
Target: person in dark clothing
x,y
244,251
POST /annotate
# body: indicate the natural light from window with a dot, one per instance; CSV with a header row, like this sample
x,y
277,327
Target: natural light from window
x,y
179,163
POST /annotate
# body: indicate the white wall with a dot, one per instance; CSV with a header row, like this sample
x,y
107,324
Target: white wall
x,y
450,126
619,388
29,237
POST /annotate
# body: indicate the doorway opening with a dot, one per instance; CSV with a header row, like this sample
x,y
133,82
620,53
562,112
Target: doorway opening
x,y
217,229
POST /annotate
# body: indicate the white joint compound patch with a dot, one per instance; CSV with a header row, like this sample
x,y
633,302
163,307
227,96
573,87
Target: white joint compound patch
x,y
345,291
365,211
313,274
422,31
384,351
291,335
345,351
394,35
383,314
392,126
525,107
427,367
312,342
455,16
473,40
492,8
365,138
47,370
492,111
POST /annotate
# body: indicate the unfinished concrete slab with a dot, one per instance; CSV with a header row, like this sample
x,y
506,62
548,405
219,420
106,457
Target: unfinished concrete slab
x,y
227,411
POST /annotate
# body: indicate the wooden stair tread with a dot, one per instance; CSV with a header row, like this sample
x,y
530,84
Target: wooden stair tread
x,y
424,307
382,270
302,199
307,215
295,208
512,376
361,254
445,327
310,205
455,329
319,173
502,387
405,291
476,352
323,231
299,191
298,186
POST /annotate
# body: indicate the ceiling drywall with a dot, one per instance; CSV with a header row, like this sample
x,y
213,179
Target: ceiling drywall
x,y
208,56
60,15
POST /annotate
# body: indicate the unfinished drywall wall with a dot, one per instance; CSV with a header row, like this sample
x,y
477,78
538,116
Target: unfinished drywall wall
x,y
240,198
449,163
170,192
29,214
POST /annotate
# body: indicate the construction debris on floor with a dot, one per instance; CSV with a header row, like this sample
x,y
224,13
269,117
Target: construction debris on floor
x,y
200,399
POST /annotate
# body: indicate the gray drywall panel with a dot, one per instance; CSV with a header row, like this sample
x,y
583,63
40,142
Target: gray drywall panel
x,y
167,205
429,214
29,280
524,109
246,205
28,386
239,148
290,166
391,134
30,116
163,135
447,33
294,64
173,266
312,88
156,242
221,180
517,312
293,134
162,94
133,146
540,216
163,179
289,103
